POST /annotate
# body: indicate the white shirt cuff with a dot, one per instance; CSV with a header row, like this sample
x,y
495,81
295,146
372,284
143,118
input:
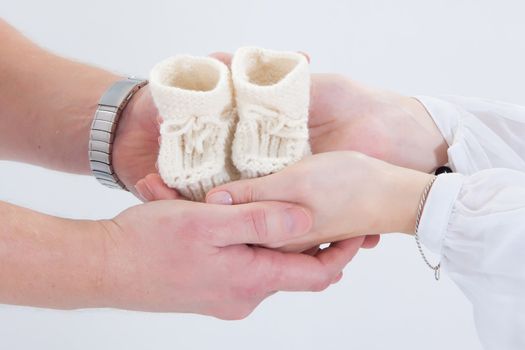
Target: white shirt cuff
x,y
438,208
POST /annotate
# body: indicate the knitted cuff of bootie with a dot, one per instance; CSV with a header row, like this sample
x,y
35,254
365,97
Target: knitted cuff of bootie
x,y
194,98
272,94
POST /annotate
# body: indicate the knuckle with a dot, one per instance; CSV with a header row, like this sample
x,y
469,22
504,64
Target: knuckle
x,y
247,194
249,288
252,284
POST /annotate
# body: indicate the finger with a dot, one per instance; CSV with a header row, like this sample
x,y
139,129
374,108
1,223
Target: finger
x,y
370,241
155,189
312,251
287,247
224,57
143,191
346,249
255,223
300,272
270,187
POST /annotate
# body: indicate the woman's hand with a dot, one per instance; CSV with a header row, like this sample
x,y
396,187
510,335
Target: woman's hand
x,y
349,194
345,115
183,256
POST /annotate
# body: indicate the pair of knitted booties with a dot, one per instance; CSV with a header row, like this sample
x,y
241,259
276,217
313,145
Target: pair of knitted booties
x,y
219,126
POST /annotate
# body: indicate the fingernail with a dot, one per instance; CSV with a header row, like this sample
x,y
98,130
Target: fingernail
x,y
220,197
297,221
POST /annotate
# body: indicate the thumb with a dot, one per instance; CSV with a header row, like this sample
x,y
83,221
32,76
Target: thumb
x,y
255,223
152,188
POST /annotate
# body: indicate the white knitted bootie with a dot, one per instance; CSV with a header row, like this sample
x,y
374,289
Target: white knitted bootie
x,y
272,93
194,97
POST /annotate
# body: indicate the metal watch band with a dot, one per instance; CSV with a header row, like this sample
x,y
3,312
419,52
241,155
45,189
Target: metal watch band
x,y
103,128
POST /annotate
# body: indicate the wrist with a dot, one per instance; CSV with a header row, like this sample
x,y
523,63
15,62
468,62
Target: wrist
x,y
94,261
120,267
97,89
406,189
425,144
111,268
116,131
414,187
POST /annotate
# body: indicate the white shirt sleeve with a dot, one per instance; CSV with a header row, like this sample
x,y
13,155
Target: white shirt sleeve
x,y
481,134
477,224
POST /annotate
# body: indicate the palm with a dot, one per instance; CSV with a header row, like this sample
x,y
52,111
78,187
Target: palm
x,y
136,145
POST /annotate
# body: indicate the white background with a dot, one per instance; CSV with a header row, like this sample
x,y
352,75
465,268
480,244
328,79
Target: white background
x,y
388,298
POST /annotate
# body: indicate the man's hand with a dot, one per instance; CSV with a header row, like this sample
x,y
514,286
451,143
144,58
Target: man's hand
x,y
183,256
168,256
349,194
136,145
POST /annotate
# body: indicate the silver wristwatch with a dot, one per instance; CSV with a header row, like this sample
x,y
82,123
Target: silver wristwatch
x,y
103,128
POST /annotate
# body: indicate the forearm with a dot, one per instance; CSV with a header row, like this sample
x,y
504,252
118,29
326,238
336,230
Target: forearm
x,y
47,103
50,262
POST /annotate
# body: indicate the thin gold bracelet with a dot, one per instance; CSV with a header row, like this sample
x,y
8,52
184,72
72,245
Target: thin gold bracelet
x,y
424,195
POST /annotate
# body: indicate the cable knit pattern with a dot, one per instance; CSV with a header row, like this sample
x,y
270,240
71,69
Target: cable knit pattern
x,y
272,93
194,97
